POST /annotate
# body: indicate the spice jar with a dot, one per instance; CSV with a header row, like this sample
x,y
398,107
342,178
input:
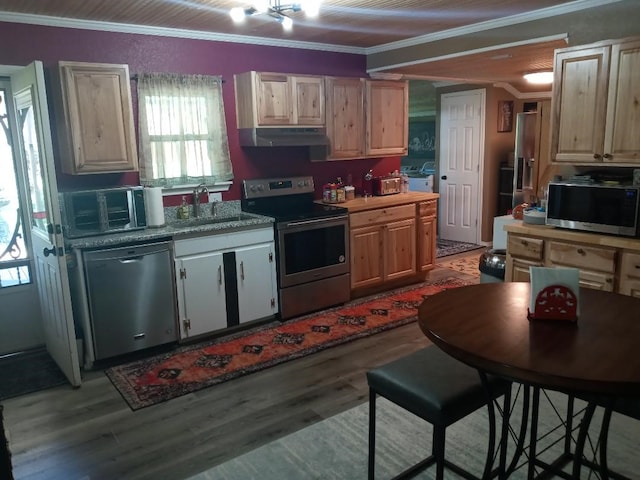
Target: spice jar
x,y
340,194
349,192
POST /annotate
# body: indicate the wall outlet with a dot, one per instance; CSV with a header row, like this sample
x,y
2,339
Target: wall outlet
x,y
215,197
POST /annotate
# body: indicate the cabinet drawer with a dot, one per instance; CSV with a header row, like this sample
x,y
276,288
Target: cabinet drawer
x,y
630,265
428,209
382,215
583,256
525,247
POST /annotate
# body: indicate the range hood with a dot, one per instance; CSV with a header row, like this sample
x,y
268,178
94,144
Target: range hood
x,y
283,137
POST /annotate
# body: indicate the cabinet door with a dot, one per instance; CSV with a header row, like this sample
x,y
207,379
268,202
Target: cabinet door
x,y
400,249
630,273
579,104
427,244
256,281
366,256
622,142
274,99
98,134
517,269
387,117
345,117
308,94
201,294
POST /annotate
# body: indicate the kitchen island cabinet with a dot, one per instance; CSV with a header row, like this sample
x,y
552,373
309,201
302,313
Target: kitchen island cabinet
x,y
594,122
606,262
392,240
224,280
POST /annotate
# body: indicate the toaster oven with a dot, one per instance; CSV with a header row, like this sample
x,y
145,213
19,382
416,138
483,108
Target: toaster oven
x,y
386,185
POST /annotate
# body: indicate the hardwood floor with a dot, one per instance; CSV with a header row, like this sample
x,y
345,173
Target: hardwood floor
x,y
90,432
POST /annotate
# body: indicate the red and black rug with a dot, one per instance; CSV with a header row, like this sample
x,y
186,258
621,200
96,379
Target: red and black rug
x,y
190,368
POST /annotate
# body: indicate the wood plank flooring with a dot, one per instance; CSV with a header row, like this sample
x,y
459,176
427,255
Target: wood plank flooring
x,y
90,432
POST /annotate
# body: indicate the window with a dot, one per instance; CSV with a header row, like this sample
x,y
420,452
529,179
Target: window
x,y
183,135
15,259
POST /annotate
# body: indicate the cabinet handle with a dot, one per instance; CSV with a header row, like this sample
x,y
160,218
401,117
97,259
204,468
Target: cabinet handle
x,y
607,155
524,242
636,266
219,274
597,156
581,251
242,270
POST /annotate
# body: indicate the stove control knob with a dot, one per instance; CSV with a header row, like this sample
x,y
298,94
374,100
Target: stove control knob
x,y
260,187
252,188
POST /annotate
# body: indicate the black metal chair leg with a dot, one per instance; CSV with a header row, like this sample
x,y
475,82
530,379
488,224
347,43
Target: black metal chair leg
x,y
439,438
582,437
372,434
534,432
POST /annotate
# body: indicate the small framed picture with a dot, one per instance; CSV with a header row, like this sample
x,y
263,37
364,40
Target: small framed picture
x,y
505,115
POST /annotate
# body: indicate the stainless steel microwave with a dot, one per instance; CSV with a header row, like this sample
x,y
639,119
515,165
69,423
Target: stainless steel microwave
x,y
108,210
599,208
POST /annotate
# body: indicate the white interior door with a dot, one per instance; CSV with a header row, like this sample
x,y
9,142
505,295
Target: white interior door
x,y
461,157
36,152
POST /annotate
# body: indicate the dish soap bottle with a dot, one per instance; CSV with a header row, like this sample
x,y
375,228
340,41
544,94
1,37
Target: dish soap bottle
x,y
183,209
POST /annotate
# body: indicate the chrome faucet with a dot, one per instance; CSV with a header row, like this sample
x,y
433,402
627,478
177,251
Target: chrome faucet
x,y
199,190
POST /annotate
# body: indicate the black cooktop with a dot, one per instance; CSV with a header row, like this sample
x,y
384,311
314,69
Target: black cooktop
x,y
291,207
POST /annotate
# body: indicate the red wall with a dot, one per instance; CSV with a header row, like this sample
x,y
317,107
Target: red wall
x,y
146,53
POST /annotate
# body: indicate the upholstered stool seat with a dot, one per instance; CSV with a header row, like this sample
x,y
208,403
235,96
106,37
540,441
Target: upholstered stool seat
x,y
437,388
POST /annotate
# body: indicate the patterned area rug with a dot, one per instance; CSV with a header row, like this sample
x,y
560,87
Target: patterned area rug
x,y
469,264
190,368
444,248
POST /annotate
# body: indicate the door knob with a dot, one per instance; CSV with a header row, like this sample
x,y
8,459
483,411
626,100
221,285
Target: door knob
x,y
49,251
443,177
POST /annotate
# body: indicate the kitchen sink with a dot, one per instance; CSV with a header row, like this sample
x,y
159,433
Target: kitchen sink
x,y
196,222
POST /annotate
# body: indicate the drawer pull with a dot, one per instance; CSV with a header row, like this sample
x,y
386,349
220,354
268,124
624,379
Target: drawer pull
x,y
581,251
636,266
525,243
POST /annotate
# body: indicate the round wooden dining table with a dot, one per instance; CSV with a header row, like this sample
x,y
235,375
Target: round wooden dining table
x,y
486,326
598,356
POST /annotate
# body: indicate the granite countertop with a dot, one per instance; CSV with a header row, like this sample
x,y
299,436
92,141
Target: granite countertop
x,y
553,233
227,218
360,204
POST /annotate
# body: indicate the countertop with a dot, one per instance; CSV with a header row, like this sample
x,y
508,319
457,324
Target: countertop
x,y
229,221
551,232
361,204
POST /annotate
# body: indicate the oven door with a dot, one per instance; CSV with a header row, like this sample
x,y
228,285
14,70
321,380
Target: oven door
x,y
312,249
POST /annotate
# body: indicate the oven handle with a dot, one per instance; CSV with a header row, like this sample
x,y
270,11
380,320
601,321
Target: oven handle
x,y
315,221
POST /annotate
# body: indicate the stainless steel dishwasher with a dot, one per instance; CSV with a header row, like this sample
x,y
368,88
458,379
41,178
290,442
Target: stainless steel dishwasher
x,y
131,298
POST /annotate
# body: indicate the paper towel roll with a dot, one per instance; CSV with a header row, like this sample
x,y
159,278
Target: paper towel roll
x,y
154,206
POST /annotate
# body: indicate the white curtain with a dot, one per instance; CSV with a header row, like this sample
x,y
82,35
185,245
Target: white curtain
x,y
183,135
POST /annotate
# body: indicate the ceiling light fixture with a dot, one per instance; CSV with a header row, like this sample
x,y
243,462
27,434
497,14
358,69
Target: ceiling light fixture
x,y
539,78
276,10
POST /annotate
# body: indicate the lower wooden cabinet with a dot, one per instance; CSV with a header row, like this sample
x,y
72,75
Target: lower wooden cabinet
x,y
383,245
225,280
601,267
427,231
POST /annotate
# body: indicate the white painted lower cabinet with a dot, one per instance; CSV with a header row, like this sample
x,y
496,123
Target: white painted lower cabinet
x,y
224,280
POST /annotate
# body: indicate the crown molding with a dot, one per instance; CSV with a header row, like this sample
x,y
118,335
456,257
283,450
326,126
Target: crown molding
x,y
492,24
522,95
172,32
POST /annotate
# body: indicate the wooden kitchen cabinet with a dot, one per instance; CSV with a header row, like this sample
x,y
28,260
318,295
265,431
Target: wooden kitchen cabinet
x,y
366,118
597,265
522,252
95,119
630,273
383,245
593,120
427,223
387,117
276,99
345,117
225,280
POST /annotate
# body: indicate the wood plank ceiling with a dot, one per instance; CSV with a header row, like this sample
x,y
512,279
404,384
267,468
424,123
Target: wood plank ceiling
x,y
357,24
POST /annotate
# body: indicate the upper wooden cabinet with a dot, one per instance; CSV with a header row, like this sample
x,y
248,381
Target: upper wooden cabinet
x,y
276,99
595,120
387,117
366,118
345,117
95,119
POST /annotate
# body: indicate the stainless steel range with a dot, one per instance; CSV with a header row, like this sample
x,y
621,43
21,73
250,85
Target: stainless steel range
x,y
312,243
